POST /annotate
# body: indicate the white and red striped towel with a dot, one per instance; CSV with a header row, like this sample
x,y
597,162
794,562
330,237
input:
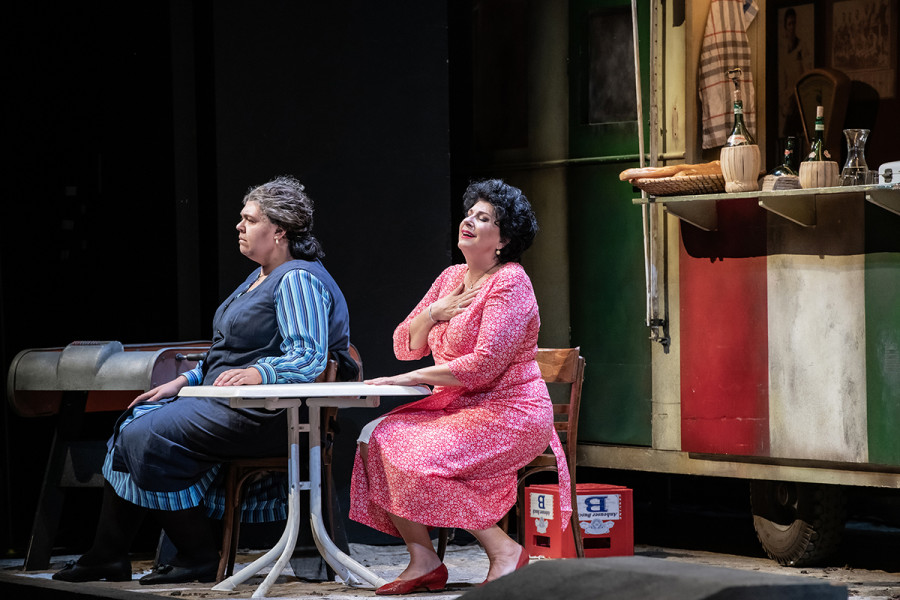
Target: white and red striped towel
x,y
725,46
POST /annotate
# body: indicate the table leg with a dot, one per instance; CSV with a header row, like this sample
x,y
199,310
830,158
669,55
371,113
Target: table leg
x,y
292,528
285,545
349,570
253,568
352,572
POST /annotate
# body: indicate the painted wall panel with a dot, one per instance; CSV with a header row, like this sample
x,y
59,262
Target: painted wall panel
x,y
724,378
817,332
882,287
817,367
607,308
605,241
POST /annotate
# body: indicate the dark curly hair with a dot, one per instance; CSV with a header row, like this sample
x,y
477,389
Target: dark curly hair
x,y
285,203
512,210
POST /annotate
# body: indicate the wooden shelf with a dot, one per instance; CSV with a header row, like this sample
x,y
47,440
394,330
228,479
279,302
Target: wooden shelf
x,y
801,208
797,206
885,197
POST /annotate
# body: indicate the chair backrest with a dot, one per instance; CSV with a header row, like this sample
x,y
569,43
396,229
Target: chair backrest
x,y
330,372
331,367
329,424
564,366
354,354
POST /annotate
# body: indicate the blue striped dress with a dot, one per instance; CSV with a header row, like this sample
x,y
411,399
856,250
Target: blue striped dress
x,y
167,455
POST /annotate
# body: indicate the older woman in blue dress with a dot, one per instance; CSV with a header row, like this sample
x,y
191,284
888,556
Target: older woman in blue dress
x,y
278,326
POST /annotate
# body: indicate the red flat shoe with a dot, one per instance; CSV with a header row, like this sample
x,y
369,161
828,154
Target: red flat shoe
x,y
523,560
434,581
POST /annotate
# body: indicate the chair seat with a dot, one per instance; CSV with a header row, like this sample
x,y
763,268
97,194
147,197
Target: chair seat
x,y
271,462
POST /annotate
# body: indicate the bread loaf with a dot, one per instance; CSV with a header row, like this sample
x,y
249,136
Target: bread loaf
x,y
710,168
650,172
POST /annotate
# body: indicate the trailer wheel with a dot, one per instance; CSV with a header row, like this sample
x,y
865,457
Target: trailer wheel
x,y
798,524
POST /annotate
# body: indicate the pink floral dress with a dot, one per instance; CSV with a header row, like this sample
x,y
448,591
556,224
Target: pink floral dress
x,y
450,460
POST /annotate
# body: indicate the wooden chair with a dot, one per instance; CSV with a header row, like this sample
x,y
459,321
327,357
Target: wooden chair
x,y
559,367
239,473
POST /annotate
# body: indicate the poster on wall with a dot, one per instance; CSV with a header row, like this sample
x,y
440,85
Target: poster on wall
x,y
796,55
864,45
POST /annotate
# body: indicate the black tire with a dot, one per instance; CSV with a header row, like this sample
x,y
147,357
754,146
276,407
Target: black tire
x,y
798,524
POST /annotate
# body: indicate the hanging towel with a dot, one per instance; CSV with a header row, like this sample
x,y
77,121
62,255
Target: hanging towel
x,y
751,8
725,46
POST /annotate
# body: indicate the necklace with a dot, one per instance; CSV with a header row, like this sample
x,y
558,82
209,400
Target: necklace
x,y
483,275
259,278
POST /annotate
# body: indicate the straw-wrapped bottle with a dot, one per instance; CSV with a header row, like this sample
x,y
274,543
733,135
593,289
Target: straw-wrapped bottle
x,y
740,155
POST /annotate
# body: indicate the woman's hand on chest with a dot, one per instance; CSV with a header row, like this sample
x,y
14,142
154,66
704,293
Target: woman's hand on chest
x,y
453,304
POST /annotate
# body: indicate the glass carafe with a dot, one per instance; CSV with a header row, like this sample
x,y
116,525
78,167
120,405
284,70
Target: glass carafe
x,y
856,171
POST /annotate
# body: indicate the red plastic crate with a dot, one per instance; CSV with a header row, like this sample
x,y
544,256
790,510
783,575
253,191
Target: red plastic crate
x,y
604,513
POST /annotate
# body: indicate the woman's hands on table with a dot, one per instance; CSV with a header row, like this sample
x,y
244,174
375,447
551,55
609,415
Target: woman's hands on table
x,y
435,375
248,376
402,379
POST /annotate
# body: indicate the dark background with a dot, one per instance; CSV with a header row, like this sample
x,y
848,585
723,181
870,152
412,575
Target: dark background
x,y
133,129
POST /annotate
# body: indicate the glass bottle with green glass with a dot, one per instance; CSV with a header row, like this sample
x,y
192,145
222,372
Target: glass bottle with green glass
x,y
739,157
818,170
788,164
785,175
817,150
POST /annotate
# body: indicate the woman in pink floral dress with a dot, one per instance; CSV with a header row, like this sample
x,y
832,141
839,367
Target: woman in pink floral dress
x,y
450,460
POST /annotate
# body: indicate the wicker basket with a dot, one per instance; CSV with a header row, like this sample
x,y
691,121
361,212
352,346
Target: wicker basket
x,y
681,186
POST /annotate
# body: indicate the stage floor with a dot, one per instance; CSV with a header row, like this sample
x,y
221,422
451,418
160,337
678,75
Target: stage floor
x,y
468,566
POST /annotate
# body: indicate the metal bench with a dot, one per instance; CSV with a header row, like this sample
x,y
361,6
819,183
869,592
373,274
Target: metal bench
x,y
69,383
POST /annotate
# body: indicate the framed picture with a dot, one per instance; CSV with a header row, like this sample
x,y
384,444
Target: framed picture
x,y
864,42
796,36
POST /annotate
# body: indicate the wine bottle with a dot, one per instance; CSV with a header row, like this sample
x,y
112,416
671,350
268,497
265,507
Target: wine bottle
x,y
784,176
787,163
817,150
739,156
740,135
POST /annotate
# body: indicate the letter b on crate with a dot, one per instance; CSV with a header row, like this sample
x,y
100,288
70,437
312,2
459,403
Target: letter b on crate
x,y
604,515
